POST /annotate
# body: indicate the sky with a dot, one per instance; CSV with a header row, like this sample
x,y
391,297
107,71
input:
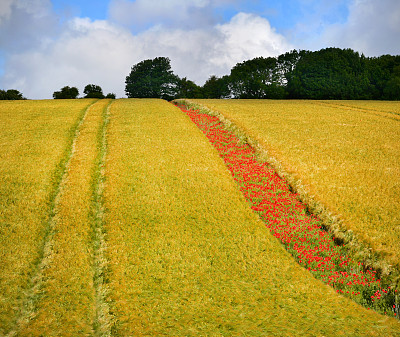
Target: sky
x,y
48,44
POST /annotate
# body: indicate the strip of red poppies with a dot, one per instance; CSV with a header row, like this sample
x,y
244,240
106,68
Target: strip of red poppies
x,y
287,218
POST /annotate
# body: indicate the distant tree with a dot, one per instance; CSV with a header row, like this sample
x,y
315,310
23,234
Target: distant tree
x,y
66,93
152,79
93,91
256,78
391,90
111,95
330,73
188,89
384,76
286,63
216,87
11,94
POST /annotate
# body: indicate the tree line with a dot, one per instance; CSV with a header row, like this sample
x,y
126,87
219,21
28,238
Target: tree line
x,y
90,91
330,73
11,94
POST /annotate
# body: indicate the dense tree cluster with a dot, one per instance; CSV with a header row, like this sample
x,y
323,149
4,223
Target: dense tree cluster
x,y
153,79
11,94
330,73
66,93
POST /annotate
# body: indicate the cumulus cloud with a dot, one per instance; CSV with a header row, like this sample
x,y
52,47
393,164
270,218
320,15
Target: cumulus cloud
x,y
102,53
25,24
372,27
86,52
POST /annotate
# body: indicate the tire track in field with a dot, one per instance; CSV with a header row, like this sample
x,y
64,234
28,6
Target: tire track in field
x,y
35,283
103,321
380,113
58,222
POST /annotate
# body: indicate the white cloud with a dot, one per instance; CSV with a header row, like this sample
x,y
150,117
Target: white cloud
x,y
102,53
86,52
34,7
372,27
25,24
247,36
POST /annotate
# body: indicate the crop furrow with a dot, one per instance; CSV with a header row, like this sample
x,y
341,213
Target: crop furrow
x,y
32,293
103,319
61,299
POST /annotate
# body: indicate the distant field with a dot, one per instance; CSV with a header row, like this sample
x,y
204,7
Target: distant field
x,y
119,218
346,154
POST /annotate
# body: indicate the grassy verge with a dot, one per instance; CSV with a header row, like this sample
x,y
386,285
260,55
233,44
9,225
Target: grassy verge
x,y
35,141
343,162
188,257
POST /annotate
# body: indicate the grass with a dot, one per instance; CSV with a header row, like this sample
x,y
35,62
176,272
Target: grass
x,y
344,154
188,257
34,140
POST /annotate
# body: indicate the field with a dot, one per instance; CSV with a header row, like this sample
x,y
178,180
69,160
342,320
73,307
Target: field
x,y
344,154
120,218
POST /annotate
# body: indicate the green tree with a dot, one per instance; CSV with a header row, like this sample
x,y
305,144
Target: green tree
x,y
188,89
11,94
330,73
216,87
111,95
66,93
384,76
93,91
152,79
257,78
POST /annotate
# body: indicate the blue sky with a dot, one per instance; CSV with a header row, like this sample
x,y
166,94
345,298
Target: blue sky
x,y
283,15
96,10
47,44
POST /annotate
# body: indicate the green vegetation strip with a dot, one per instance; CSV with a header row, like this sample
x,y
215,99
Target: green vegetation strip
x,y
35,143
103,318
187,256
342,157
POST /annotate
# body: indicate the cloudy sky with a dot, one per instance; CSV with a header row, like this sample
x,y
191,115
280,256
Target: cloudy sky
x,y
48,44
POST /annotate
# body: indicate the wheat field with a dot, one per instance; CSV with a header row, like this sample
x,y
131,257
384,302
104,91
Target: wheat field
x,y
119,218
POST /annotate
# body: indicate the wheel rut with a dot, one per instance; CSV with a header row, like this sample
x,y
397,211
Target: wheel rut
x,y
67,292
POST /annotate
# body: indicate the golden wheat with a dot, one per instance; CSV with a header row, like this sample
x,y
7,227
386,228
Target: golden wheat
x,y
346,154
34,141
187,256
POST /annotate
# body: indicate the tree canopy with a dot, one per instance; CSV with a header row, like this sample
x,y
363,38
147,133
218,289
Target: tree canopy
x,y
66,93
11,94
93,91
330,73
152,79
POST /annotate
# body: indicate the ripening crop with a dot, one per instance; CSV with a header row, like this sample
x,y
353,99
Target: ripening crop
x,y
35,138
119,218
187,256
345,155
301,233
